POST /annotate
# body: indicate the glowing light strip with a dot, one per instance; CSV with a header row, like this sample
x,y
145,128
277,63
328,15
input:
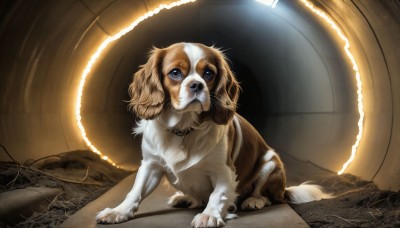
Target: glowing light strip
x,y
357,76
92,61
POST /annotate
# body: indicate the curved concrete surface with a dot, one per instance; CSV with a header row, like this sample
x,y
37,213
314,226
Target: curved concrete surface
x,y
299,88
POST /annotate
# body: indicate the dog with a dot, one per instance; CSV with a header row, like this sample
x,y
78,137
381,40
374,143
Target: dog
x,y
186,97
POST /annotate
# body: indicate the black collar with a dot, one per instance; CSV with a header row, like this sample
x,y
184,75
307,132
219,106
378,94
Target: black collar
x,y
181,132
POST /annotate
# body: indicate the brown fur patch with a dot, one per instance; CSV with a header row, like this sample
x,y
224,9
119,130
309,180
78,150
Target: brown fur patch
x,y
250,161
146,91
175,58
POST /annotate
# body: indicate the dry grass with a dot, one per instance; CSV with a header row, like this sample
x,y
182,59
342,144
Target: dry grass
x,y
82,175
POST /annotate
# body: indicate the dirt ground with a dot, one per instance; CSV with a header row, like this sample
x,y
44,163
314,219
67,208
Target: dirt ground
x,y
358,203
83,177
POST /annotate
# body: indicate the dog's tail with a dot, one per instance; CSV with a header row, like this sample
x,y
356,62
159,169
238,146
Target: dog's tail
x,y
305,192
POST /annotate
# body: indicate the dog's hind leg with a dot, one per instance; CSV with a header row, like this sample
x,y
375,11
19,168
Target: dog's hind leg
x,y
256,201
271,178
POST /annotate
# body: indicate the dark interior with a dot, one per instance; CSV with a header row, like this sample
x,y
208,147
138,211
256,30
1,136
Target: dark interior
x,y
299,88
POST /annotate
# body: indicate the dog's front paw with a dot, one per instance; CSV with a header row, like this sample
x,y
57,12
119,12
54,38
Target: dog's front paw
x,y
181,200
206,220
255,203
110,215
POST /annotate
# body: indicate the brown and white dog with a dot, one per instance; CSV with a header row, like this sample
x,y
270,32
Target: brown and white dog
x,y
186,98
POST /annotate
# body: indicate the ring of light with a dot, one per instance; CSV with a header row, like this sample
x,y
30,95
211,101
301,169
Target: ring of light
x,y
149,14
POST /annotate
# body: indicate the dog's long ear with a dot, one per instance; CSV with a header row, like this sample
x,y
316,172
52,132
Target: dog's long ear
x,y
226,94
146,91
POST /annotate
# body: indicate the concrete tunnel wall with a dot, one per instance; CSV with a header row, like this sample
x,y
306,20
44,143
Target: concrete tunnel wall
x,y
299,88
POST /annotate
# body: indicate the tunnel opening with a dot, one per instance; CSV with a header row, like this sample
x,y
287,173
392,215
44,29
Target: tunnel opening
x,y
299,94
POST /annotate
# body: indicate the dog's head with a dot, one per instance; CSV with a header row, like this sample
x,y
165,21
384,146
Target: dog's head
x,y
185,77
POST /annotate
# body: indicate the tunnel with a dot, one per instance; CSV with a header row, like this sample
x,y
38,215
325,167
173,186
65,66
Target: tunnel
x,y
301,89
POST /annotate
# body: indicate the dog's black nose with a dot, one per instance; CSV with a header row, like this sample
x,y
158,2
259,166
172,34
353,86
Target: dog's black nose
x,y
196,86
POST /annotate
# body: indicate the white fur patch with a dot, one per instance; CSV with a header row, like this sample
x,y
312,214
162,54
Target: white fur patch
x,y
269,155
267,168
306,193
194,53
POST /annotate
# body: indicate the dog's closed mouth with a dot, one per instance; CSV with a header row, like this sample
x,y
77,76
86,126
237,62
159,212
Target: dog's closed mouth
x,y
193,102
197,101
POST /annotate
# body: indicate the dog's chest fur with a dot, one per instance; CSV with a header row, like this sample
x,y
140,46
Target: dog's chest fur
x,y
194,181
191,162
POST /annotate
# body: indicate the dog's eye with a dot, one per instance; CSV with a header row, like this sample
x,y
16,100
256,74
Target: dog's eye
x,y
175,74
208,74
